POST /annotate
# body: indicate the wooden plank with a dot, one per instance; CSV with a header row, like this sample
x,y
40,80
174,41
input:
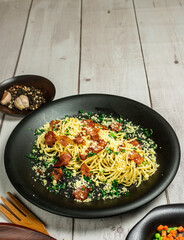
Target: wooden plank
x,y
112,63
52,44
50,49
13,17
162,36
111,57
11,33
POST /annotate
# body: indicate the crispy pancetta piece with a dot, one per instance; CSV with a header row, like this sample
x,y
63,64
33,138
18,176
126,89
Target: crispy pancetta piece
x,y
136,157
57,174
115,126
85,170
64,140
50,138
81,193
63,160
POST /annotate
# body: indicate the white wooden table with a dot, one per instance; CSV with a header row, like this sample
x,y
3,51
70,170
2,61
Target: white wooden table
x,y
131,48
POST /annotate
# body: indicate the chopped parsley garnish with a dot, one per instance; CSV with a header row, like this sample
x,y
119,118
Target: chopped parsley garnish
x,y
148,132
31,156
39,131
54,160
77,158
115,183
112,135
109,150
125,137
67,132
67,172
46,164
91,154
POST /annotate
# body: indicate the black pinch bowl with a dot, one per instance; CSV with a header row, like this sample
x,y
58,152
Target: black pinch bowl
x,y
171,215
21,141
35,81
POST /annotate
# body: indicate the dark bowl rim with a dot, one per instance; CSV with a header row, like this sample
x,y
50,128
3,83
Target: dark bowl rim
x,y
12,81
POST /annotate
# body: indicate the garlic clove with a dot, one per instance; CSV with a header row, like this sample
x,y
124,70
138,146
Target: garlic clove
x,y
21,102
6,98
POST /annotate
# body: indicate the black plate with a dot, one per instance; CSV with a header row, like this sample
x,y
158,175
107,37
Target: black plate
x,y
171,215
21,141
35,81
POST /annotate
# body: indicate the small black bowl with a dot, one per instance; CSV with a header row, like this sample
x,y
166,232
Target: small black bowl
x,y
35,81
171,215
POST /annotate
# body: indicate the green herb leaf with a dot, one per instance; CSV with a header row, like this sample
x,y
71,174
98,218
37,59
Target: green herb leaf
x,y
91,154
112,135
31,156
39,131
67,172
109,150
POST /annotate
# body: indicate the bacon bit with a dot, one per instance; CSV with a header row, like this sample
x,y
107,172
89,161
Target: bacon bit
x,y
104,127
86,129
88,150
63,160
81,193
57,174
91,129
94,134
79,140
40,171
82,156
136,157
116,127
53,123
50,138
95,137
85,170
122,146
81,134
135,143
89,122
64,140
100,146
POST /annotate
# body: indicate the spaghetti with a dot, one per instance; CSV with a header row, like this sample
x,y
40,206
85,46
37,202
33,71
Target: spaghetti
x,y
102,150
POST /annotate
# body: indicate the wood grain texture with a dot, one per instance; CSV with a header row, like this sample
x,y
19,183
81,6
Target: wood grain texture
x,y
11,33
13,16
162,36
14,232
111,56
17,213
51,46
50,49
111,62
115,39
